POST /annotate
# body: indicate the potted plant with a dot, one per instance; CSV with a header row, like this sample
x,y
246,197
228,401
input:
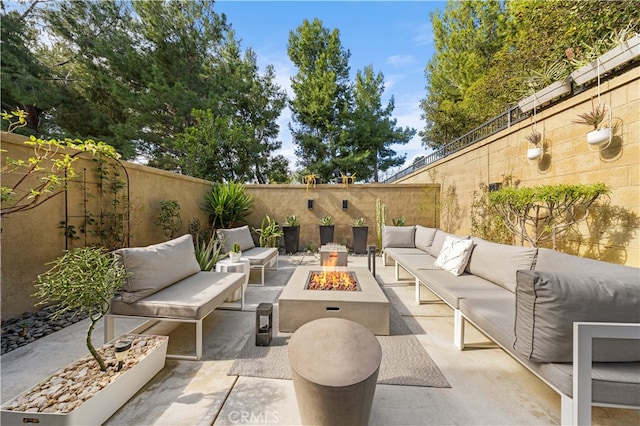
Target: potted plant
x,y
360,234
269,232
235,253
84,280
535,152
622,49
598,135
326,230
291,231
546,85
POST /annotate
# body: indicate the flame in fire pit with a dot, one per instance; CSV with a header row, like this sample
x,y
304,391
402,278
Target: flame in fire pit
x,y
332,280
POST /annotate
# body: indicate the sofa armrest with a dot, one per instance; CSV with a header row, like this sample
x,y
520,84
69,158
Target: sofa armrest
x,y
583,335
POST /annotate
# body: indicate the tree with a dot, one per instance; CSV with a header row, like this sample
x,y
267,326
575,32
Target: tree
x,y
236,141
466,37
366,151
26,81
322,93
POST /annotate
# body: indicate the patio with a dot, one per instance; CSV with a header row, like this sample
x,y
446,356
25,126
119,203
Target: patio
x,y
487,386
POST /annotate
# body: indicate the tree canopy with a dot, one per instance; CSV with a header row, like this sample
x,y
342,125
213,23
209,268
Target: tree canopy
x,y
486,52
143,75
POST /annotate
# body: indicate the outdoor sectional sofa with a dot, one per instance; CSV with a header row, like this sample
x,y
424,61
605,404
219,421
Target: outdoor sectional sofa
x,y
541,306
165,283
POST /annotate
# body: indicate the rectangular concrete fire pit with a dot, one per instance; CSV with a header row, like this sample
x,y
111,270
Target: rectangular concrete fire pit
x,y
367,306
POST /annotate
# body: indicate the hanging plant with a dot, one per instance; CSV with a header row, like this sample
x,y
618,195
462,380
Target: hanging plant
x,y
535,152
594,118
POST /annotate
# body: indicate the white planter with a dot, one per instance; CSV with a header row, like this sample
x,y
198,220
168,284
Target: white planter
x,y
235,257
615,57
104,403
600,136
552,91
534,153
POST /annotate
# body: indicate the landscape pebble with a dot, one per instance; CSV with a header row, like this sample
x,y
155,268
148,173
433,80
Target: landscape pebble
x,y
31,326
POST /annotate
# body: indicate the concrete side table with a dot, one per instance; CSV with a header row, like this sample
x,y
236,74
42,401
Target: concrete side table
x,y
226,265
333,255
334,364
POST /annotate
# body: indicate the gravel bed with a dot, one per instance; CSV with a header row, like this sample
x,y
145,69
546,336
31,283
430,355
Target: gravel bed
x,y
31,326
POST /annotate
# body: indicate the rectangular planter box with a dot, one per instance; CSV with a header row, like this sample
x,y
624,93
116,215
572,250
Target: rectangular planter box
x,y
552,91
103,404
617,56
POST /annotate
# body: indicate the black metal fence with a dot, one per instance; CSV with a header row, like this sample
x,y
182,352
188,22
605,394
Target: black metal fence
x,y
508,118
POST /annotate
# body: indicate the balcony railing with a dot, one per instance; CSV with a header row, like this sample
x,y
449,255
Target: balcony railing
x,y
508,118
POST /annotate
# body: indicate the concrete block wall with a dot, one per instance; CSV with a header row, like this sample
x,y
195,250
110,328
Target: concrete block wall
x,y
568,159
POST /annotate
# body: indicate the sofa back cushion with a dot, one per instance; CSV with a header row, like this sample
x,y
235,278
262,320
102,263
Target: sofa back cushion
x,y
240,235
548,303
438,241
152,268
499,263
398,236
424,237
555,261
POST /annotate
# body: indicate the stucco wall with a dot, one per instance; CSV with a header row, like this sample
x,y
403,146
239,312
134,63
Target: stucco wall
x,y
32,238
567,159
417,202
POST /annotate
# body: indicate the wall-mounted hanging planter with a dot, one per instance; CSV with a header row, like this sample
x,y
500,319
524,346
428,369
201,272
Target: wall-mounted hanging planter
x,y
599,136
547,94
624,52
535,153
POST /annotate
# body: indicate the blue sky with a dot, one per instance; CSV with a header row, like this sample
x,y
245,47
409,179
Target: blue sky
x,y
393,36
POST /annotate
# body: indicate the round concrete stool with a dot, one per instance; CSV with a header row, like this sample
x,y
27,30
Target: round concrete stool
x,y
334,364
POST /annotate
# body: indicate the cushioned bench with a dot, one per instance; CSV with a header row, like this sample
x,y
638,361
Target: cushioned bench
x,y
165,283
259,257
546,309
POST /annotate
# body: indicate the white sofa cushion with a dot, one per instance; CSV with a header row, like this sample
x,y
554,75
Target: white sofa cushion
x,y
152,268
240,235
454,255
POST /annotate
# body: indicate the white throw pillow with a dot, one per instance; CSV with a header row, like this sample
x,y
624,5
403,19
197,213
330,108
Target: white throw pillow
x,y
454,255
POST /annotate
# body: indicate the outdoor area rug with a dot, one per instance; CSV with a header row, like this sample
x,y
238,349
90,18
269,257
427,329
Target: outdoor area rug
x,y
404,360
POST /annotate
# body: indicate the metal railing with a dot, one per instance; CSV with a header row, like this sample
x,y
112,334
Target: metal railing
x,y
508,118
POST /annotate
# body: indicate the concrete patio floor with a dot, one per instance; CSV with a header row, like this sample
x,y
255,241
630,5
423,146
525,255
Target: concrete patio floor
x,y
488,387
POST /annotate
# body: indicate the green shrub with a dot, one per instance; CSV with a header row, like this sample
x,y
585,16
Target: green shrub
x,y
227,203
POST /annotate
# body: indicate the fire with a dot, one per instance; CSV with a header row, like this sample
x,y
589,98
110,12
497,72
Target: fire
x,y
332,280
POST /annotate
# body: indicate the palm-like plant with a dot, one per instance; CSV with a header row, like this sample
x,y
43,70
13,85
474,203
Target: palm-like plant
x,y
227,203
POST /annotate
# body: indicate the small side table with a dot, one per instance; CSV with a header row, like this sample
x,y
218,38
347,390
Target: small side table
x,y
226,265
333,255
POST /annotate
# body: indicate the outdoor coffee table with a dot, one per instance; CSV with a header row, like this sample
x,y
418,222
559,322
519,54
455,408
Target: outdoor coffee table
x,y
368,305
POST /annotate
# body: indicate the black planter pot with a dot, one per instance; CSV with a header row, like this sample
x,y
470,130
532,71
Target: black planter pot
x,y
360,234
326,234
291,238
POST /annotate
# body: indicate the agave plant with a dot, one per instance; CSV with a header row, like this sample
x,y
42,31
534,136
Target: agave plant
x,y
534,138
208,253
292,220
593,117
326,221
359,221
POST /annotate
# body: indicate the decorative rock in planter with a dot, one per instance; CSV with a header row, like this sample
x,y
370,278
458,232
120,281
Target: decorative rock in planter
x,y
599,136
615,57
554,90
81,394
